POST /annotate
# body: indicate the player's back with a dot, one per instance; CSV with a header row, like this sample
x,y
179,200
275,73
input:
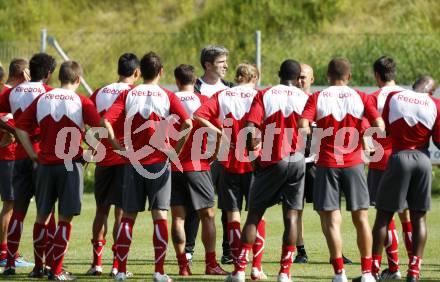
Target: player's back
x,y
411,118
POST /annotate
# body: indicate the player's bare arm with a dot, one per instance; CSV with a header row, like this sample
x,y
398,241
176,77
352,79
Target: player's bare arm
x,y
111,134
25,141
186,127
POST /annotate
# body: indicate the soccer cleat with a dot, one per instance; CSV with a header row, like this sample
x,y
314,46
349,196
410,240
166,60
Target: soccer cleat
x,y
341,277
157,277
411,279
388,275
368,277
301,259
257,274
37,273
239,276
121,276
95,270
189,258
21,262
9,271
227,259
184,270
346,260
217,270
283,277
63,276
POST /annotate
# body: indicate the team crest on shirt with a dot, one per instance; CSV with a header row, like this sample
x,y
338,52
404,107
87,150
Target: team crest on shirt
x,y
24,94
413,108
58,103
147,99
108,94
236,101
284,99
339,101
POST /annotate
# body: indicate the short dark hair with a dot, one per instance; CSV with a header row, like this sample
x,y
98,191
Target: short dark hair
x,y
212,52
386,68
41,65
151,65
289,70
70,71
185,74
127,64
339,69
17,66
2,73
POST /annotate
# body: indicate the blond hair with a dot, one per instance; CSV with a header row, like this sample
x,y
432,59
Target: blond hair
x,y
246,72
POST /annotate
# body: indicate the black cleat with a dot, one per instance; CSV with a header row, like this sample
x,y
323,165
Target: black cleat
x,y
346,260
227,259
301,259
9,271
37,272
411,279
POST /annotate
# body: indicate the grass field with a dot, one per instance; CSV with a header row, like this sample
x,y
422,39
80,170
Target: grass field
x,y
141,255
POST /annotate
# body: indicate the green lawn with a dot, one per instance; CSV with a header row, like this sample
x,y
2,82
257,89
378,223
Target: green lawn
x,y
141,255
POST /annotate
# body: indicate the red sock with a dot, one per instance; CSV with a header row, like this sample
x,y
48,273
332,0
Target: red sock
x,y
51,229
181,259
366,265
414,266
60,244
98,248
338,265
243,257
407,237
160,242
123,242
258,247
15,228
115,260
234,236
40,243
286,259
392,247
210,259
3,251
375,267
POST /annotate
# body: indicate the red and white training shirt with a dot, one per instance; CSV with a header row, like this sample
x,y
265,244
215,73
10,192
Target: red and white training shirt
x,y
148,105
411,119
233,104
103,98
191,157
56,111
7,153
378,99
277,109
333,109
16,101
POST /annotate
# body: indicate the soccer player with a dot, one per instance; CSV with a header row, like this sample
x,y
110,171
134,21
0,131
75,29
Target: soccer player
x,y
61,115
278,172
17,69
306,80
411,119
145,109
214,61
193,186
338,111
385,75
16,101
109,172
231,107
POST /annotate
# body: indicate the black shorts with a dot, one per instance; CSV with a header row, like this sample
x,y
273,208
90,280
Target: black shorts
x,y
330,182
406,182
235,187
282,182
23,181
309,182
137,188
108,185
192,189
6,174
373,180
55,182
